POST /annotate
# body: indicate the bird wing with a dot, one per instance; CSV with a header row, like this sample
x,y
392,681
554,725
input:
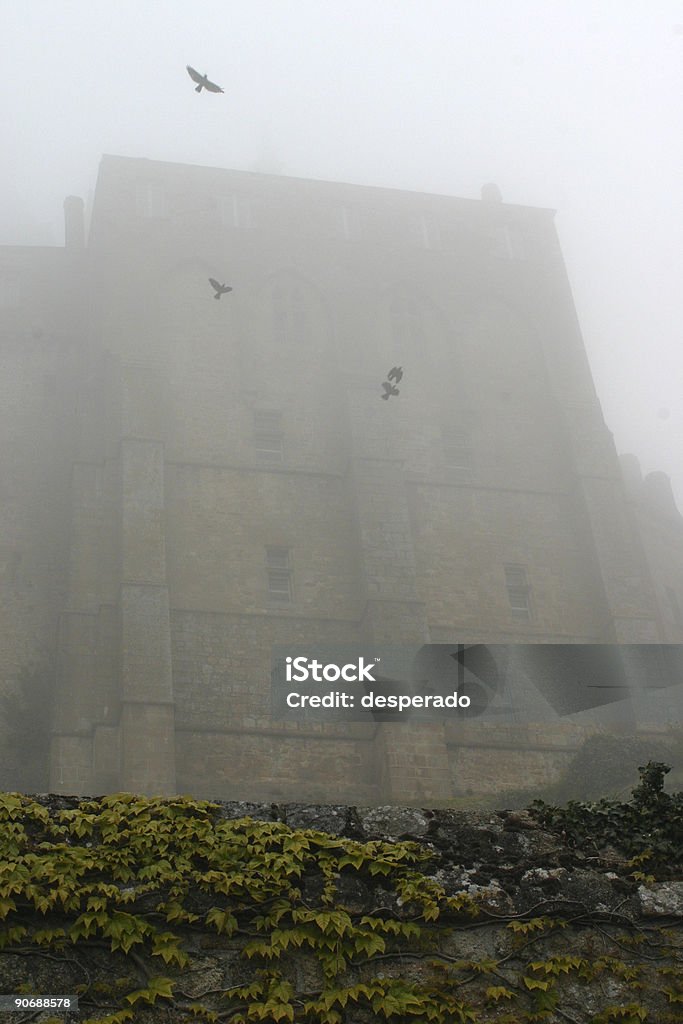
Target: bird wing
x,y
214,284
211,86
387,387
194,75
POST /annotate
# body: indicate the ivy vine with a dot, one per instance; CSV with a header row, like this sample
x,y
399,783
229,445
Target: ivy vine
x,y
153,889
648,828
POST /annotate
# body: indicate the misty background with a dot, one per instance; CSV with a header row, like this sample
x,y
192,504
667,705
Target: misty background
x,y
571,105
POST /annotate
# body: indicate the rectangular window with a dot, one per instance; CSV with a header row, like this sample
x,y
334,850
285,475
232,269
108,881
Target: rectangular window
x,y
290,322
457,448
342,220
674,605
150,201
279,574
407,324
268,438
345,222
508,242
9,289
236,212
428,233
519,591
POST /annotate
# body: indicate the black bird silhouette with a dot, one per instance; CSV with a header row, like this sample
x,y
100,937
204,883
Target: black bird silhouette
x,y
389,390
202,81
220,289
395,373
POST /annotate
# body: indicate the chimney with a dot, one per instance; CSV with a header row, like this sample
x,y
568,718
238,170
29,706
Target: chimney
x,y
74,223
491,193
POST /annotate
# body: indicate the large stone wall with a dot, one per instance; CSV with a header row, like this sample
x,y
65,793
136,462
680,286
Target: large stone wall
x,y
503,918
136,514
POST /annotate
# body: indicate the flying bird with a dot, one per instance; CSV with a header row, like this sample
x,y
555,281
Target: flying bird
x,y
395,373
220,289
202,81
389,390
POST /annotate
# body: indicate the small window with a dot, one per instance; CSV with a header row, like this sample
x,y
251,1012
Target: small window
x,y
519,592
342,221
428,233
279,574
150,201
457,449
407,325
268,438
289,315
14,568
508,242
9,289
674,605
236,212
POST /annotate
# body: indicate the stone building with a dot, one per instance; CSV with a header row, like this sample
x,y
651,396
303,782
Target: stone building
x,y
186,482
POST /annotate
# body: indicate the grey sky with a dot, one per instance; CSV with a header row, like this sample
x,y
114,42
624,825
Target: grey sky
x,y
572,105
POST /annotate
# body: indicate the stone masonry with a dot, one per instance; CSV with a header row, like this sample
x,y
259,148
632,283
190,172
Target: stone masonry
x,y
140,503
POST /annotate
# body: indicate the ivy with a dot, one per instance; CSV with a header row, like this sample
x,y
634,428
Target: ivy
x,y
648,828
146,879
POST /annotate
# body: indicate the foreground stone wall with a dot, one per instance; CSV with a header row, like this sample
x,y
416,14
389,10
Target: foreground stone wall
x,y
498,919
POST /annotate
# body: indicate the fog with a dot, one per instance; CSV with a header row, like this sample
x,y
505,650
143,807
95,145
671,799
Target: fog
x,y
574,106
